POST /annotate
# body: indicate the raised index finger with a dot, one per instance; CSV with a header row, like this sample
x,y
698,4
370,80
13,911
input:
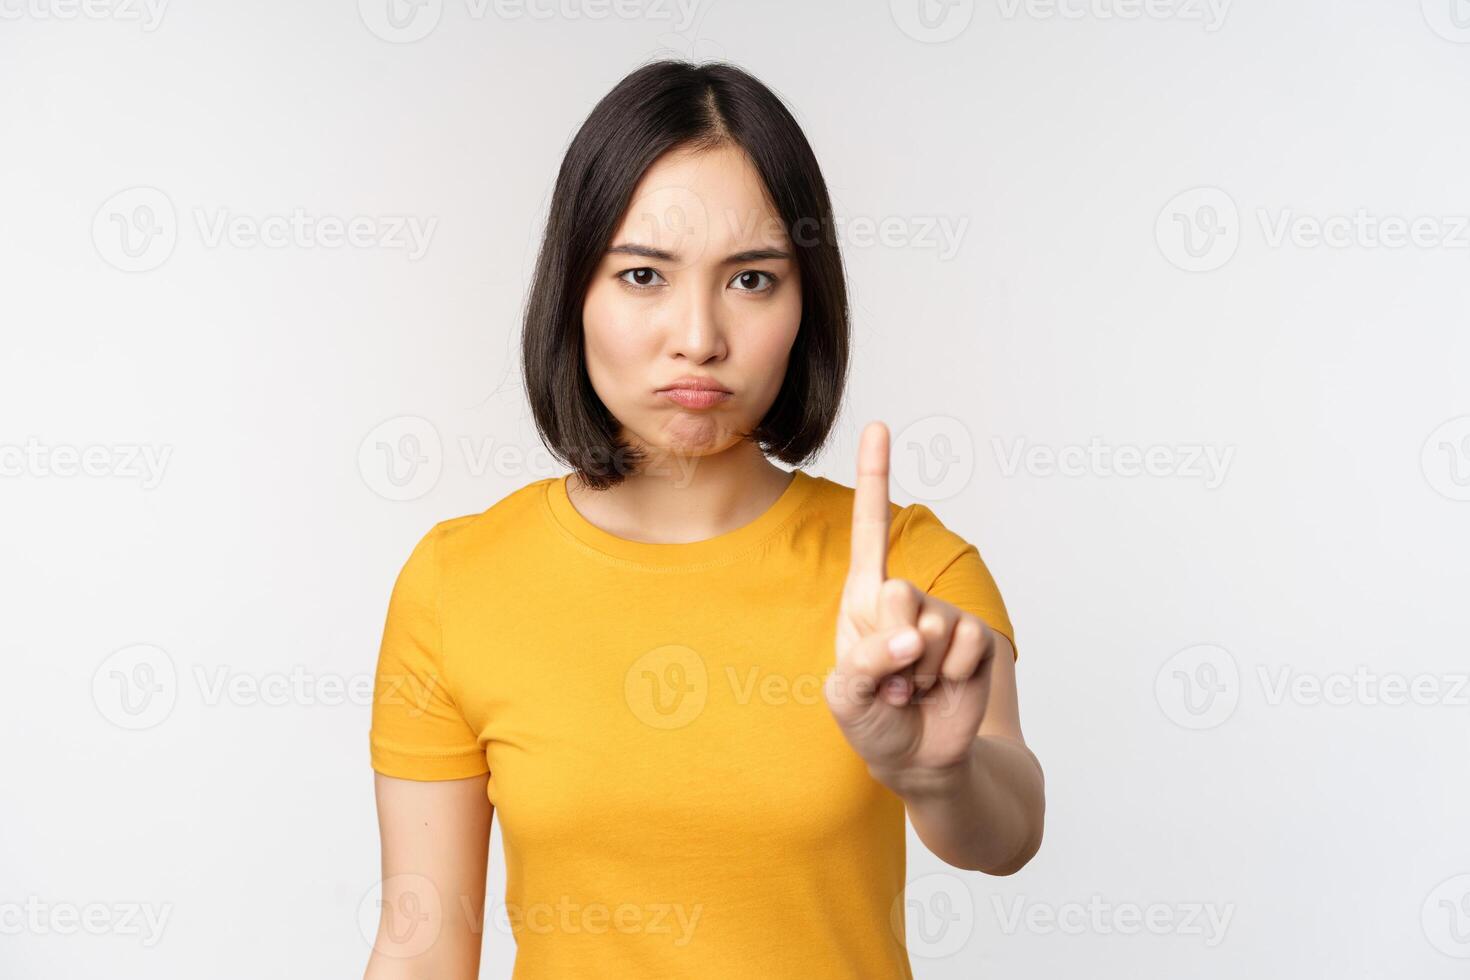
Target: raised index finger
x,y
870,506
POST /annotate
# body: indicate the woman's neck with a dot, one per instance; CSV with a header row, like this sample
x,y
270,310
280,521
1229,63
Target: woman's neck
x,y
675,499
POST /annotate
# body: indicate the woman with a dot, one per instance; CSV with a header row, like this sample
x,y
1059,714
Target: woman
x,y
634,664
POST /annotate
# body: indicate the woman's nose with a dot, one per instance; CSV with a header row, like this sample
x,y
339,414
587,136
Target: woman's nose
x,y
697,328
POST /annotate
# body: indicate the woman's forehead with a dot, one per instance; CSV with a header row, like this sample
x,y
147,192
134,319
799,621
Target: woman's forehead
x,y
713,201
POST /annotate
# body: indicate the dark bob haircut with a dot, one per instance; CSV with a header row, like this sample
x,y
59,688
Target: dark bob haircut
x,y
658,107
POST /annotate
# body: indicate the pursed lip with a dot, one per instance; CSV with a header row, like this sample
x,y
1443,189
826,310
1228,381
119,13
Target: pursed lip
x,y
690,382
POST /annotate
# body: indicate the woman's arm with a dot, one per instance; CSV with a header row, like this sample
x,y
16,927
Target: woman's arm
x,y
435,843
986,814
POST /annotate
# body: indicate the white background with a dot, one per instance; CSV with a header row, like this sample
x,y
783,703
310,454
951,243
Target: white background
x,y
1131,192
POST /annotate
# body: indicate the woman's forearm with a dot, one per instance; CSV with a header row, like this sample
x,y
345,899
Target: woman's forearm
x,y
985,815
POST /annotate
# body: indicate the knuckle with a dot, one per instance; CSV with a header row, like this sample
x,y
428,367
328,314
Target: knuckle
x,y
932,623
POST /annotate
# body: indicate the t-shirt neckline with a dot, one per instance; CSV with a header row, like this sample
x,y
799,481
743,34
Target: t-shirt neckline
x,y
718,549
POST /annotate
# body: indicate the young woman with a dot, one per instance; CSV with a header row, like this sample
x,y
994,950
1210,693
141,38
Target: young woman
x,y
700,690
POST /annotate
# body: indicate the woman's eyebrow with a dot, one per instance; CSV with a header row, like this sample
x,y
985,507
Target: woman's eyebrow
x,y
749,255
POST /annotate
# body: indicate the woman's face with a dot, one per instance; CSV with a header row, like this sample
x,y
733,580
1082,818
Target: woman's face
x,y
699,280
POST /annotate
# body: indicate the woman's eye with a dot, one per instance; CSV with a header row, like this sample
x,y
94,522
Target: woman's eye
x,y
749,282
642,277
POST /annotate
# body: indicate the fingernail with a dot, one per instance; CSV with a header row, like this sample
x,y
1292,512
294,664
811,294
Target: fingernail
x,y
905,645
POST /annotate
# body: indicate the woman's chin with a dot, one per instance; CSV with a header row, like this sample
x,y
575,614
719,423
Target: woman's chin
x,y
694,434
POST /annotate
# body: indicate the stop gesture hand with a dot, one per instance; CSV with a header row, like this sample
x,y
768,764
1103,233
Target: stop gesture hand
x,y
911,678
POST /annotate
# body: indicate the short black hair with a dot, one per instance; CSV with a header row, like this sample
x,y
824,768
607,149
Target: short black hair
x,y
662,105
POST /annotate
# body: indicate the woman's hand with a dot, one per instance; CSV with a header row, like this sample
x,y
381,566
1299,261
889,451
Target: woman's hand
x,y
911,714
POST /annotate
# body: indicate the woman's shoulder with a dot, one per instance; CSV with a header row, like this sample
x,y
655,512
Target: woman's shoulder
x,y
914,523
919,542
497,525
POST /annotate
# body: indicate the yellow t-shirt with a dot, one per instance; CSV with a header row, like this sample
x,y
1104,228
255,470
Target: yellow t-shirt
x,y
675,797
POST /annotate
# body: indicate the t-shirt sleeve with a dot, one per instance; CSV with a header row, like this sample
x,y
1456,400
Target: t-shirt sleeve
x,y
943,564
418,732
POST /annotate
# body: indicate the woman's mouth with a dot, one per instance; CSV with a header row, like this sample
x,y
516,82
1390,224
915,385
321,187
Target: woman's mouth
x,y
695,391
695,397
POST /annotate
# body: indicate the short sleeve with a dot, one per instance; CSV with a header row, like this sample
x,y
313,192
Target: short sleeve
x,y
943,564
417,730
